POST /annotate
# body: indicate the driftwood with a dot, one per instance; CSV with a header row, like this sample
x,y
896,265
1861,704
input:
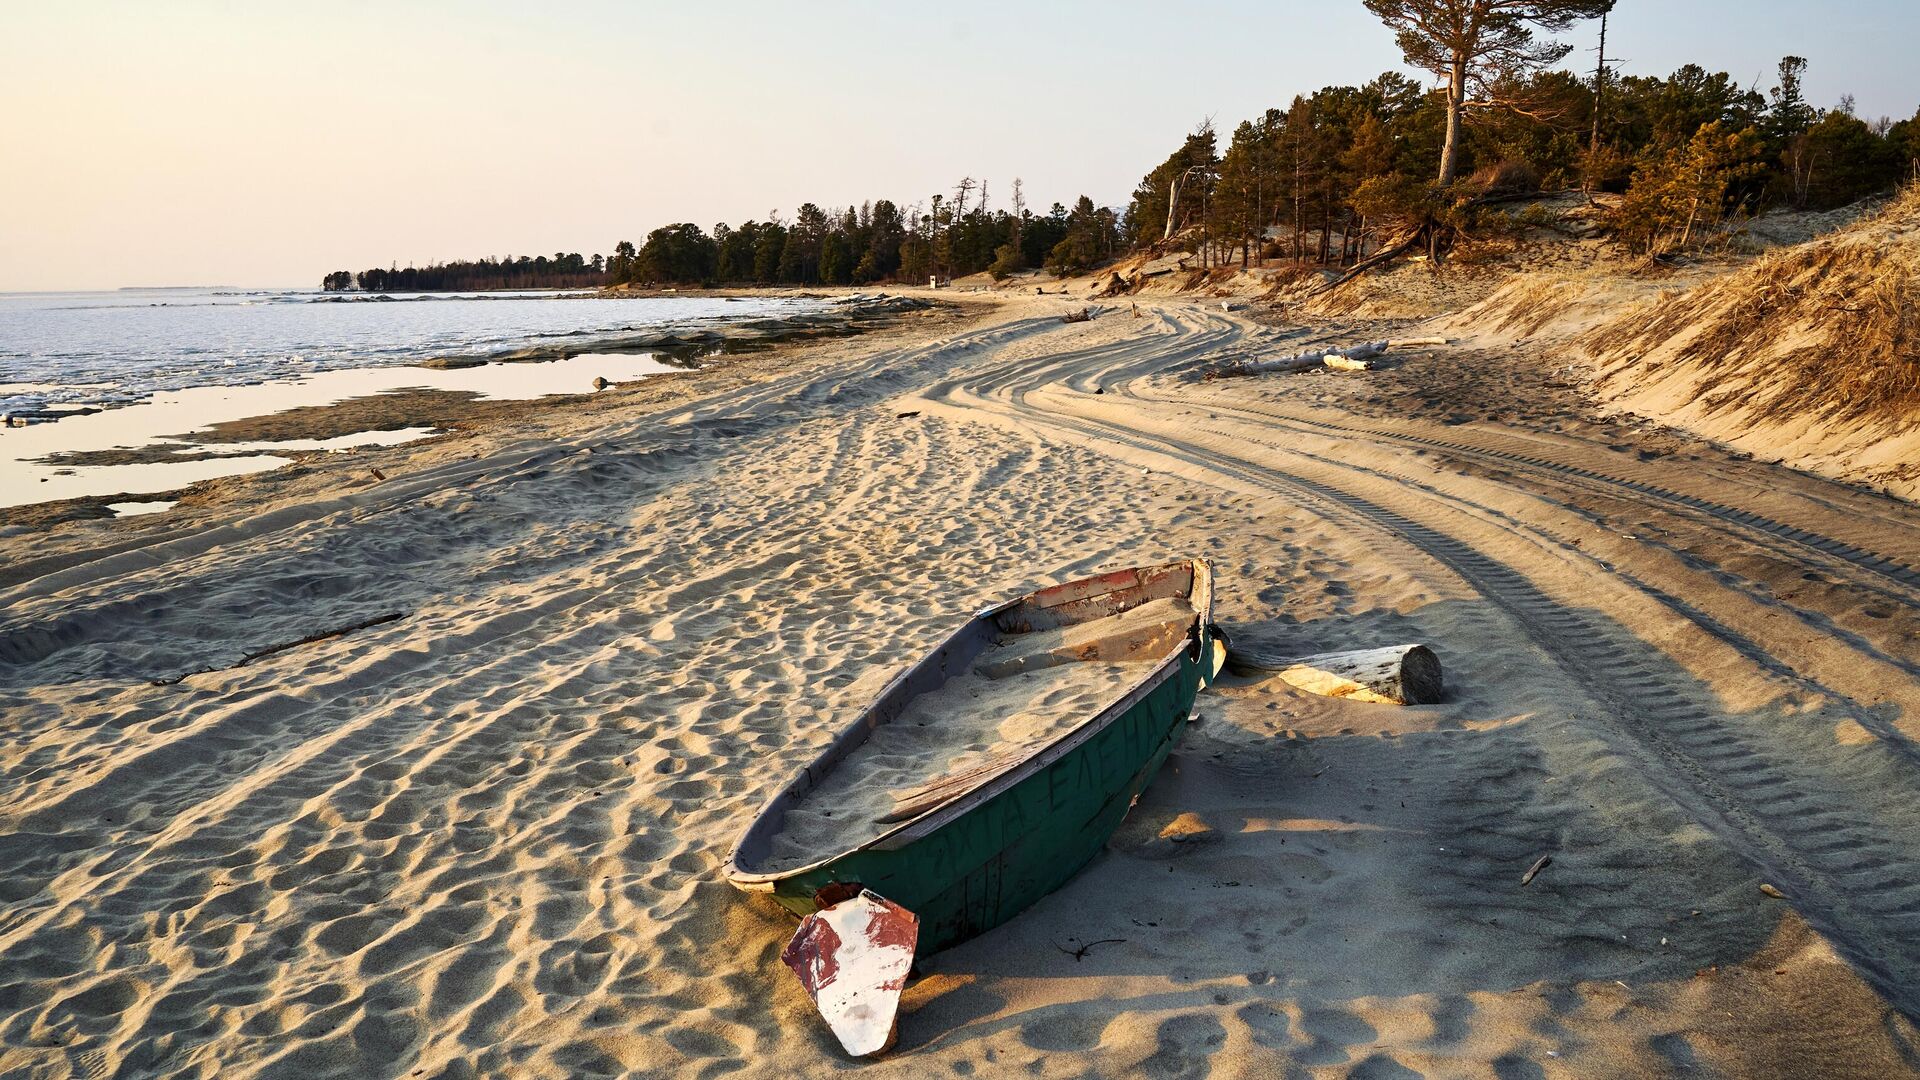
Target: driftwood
x,y
1085,314
321,636
1302,362
1395,675
1430,232
1080,953
1354,360
1533,871
1307,361
284,646
1384,255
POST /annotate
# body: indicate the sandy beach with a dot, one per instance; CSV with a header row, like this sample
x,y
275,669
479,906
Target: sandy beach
x,y
483,835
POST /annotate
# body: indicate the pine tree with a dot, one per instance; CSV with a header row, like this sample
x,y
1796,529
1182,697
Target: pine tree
x,y
1472,44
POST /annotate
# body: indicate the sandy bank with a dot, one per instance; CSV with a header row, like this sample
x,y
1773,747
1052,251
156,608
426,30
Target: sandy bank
x,y
483,837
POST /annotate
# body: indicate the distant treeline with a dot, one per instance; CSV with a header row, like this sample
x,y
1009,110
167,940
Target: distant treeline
x,y
1347,167
1333,178
876,241
563,271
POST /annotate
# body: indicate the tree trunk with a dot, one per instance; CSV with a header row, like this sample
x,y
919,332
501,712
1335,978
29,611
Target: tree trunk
x,y
1396,675
1599,88
1692,212
1456,99
1307,361
1285,364
1384,255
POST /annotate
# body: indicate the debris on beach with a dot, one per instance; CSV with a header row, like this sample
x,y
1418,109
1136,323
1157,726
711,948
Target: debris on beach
x,y
1533,871
1080,952
270,650
1394,675
1348,363
1362,357
1085,314
853,957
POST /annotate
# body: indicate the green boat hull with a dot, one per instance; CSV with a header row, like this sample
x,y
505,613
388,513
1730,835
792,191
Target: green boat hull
x,y
982,868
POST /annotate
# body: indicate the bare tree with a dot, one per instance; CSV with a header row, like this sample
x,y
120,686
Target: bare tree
x,y
1472,44
1019,210
1599,85
960,192
1173,195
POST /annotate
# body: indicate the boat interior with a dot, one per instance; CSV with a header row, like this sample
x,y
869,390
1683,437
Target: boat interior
x,y
1014,680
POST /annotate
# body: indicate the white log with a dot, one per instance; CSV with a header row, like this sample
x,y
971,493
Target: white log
x,y
1403,343
1302,362
1307,361
1395,675
1344,363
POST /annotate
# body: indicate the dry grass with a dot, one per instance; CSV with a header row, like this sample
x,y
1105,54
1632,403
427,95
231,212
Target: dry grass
x,y
1829,329
1526,306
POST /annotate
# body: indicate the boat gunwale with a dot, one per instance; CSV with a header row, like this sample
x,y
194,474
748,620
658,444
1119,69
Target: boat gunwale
x,y
918,828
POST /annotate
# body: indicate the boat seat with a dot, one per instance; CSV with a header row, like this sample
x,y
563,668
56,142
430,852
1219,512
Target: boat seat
x,y
1143,633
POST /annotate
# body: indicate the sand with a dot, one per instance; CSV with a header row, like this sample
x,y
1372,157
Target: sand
x,y
1024,692
484,838
969,723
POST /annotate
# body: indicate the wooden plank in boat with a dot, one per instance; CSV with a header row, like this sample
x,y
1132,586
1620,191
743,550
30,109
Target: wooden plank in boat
x,y
1108,594
914,801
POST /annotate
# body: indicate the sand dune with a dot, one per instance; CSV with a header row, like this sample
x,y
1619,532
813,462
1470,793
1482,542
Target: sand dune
x,y
484,838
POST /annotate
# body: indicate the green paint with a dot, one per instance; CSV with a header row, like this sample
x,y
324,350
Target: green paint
x,y
990,864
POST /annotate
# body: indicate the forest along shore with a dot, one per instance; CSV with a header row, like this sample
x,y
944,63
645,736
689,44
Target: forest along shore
x,y
480,829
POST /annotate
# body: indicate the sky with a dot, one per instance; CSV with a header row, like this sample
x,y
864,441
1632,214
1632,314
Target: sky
x,y
264,144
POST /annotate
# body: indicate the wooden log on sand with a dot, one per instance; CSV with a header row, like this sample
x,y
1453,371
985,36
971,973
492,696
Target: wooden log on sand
x,y
1303,362
1403,343
1307,361
1395,675
1347,363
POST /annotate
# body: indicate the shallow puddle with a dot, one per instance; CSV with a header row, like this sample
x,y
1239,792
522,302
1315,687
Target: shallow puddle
x,y
26,478
135,509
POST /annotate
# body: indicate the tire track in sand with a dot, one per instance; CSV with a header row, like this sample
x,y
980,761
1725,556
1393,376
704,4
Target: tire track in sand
x,y
1826,827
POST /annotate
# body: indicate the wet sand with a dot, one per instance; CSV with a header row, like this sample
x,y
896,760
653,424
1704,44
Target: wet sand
x,y
159,446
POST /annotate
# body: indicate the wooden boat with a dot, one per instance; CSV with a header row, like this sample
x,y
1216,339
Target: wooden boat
x,y
968,850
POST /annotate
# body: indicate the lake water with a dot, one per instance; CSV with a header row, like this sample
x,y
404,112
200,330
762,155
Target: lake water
x,y
118,347
166,362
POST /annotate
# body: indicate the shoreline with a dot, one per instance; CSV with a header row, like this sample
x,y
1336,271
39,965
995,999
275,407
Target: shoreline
x,y
295,418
